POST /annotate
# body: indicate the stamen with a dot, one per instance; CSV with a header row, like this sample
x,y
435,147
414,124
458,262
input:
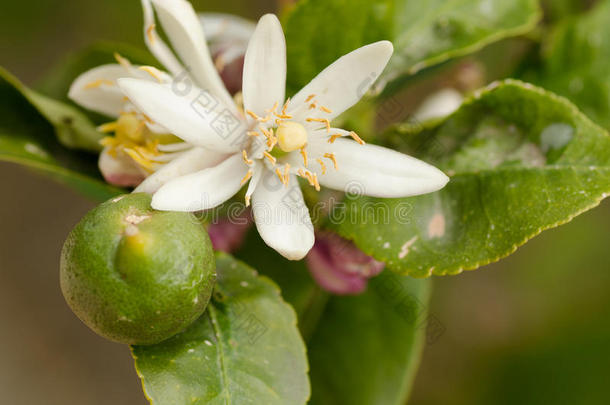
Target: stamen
x,y
271,142
308,99
285,107
287,174
304,154
247,177
356,138
322,120
306,174
274,109
333,138
256,117
322,164
316,184
245,156
283,116
109,127
150,32
269,157
122,61
97,83
154,72
280,175
253,133
313,106
326,110
247,200
332,157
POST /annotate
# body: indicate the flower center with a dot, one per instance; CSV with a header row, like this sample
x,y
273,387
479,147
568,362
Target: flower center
x,y
291,136
132,137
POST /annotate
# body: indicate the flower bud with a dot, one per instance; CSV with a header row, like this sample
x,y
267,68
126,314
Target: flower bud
x,y
135,275
339,267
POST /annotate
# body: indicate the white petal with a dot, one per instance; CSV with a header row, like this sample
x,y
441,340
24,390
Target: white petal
x,y
97,89
119,169
264,81
281,216
225,28
186,35
191,161
191,114
342,84
376,171
438,105
156,45
202,190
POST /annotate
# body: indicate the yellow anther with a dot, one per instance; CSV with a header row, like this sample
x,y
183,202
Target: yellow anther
x,y
122,61
253,133
306,174
247,200
332,157
326,110
154,72
311,97
256,117
274,109
283,116
356,138
109,127
291,136
97,83
269,157
322,164
246,160
247,177
333,138
313,106
321,120
280,175
304,154
150,32
287,174
285,107
271,142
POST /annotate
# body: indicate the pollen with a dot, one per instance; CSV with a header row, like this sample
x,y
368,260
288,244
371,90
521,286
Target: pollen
x,y
247,177
98,83
322,120
246,160
311,97
356,138
291,136
322,165
333,138
154,72
150,32
332,157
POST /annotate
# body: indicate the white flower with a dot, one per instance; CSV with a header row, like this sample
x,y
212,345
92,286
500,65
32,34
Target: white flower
x,y
139,147
275,141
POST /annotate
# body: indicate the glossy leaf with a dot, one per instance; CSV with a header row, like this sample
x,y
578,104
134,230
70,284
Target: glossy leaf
x,y
424,33
367,348
575,62
521,160
27,137
245,349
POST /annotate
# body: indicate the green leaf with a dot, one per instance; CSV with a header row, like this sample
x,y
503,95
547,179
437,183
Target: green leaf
x,y
245,349
575,63
521,160
366,348
27,138
424,33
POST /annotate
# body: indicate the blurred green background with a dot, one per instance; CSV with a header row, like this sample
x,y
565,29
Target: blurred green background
x,y
534,328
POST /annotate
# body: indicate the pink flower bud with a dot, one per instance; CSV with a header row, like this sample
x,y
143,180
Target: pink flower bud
x,y
339,267
228,234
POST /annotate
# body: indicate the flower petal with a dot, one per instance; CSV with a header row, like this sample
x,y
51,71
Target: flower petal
x,y
439,105
191,114
264,82
202,190
97,89
222,28
186,35
155,44
342,84
189,162
281,216
119,169
376,171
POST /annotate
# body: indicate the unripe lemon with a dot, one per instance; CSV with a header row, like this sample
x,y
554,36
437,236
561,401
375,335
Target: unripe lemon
x,y
135,275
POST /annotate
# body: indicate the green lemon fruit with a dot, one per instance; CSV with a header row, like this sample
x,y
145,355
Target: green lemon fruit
x,y
135,275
